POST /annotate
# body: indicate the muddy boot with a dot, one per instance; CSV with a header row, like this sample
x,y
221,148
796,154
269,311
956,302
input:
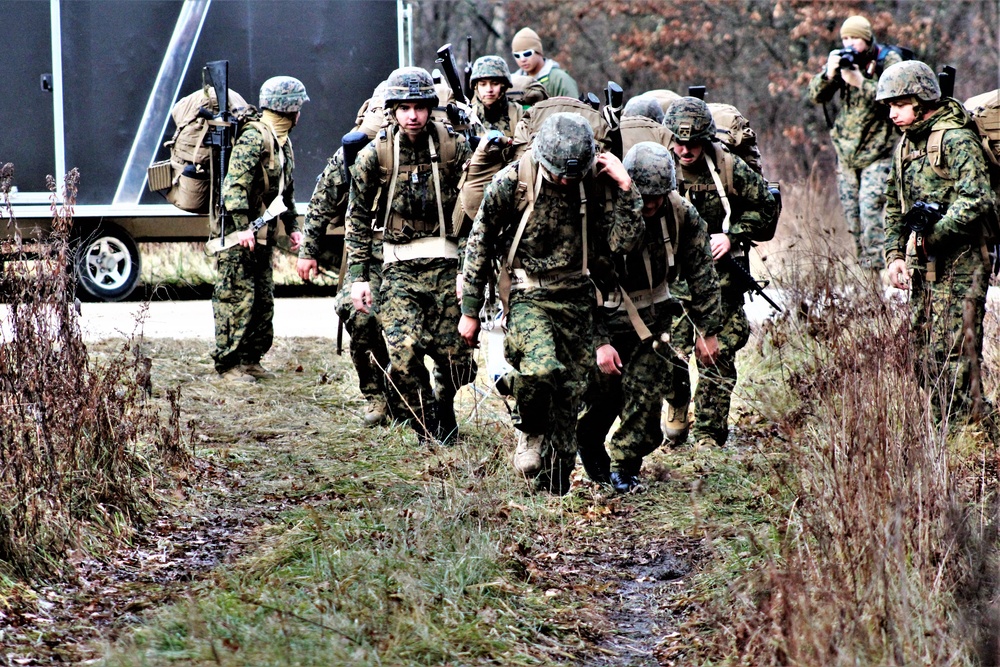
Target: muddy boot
x,y
625,476
376,412
676,426
447,424
596,461
257,371
528,455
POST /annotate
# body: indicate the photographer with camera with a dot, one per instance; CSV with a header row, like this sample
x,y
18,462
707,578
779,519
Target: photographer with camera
x,y
939,195
863,136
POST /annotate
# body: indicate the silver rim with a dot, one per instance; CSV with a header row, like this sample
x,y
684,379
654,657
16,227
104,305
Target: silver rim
x,y
108,263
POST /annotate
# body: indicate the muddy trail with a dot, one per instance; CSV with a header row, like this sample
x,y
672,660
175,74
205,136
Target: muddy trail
x,y
632,574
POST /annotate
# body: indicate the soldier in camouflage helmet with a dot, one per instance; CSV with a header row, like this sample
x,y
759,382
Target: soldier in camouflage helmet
x,y
549,337
943,208
260,169
635,365
734,201
490,80
643,106
404,189
862,134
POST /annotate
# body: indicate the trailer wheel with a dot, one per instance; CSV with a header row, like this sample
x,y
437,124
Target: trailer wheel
x,y
107,262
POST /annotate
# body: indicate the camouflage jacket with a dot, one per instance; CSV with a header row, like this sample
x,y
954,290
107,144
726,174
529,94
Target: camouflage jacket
x,y
752,206
862,132
551,240
502,116
966,198
326,206
243,191
413,199
693,255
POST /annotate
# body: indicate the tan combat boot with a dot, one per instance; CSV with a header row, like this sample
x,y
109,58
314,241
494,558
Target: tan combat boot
x,y
376,411
236,374
258,371
675,428
528,455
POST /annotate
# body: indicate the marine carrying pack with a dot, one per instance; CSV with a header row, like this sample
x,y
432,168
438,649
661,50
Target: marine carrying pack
x,y
186,176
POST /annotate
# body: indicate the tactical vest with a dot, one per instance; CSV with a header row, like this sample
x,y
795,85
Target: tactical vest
x,y
392,173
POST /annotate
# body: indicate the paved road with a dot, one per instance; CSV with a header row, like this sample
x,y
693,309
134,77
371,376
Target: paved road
x,y
193,319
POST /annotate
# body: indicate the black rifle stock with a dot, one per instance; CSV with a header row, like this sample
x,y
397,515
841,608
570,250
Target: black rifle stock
x,y
614,98
745,279
221,131
946,79
446,59
352,143
469,92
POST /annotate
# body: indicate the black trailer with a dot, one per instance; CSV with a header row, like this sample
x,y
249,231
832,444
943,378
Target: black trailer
x,y
90,84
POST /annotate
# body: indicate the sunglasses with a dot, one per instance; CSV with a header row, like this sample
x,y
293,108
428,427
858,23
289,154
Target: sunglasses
x,y
523,54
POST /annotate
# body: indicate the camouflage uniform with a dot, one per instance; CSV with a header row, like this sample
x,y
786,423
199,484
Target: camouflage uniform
x,y
549,327
243,300
863,137
327,206
752,219
955,243
416,303
636,396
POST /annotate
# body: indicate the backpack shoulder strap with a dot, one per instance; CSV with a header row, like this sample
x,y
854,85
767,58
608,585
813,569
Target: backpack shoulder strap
x,y
935,153
529,181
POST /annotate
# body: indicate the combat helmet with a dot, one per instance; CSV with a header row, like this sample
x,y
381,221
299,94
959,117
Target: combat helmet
x,y
284,94
910,78
651,167
410,84
690,120
490,67
643,106
565,146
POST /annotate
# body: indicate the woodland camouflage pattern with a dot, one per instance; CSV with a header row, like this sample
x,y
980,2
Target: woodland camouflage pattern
x,y
956,243
326,206
690,120
862,198
501,116
549,339
284,94
490,67
417,305
752,219
647,379
243,299
909,78
862,132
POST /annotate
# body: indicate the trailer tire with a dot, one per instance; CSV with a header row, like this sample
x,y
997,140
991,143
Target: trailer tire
x,y
107,263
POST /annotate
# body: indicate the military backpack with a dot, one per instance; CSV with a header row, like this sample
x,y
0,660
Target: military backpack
x,y
186,176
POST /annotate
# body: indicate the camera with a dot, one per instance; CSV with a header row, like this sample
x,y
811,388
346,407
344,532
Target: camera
x,y
922,216
849,58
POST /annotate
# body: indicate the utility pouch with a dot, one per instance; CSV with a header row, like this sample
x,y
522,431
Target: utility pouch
x,y
160,175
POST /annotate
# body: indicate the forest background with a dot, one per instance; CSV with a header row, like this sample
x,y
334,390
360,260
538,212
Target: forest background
x,y
756,54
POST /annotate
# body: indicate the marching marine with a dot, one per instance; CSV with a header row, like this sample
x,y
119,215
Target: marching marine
x,y
545,217
404,189
735,202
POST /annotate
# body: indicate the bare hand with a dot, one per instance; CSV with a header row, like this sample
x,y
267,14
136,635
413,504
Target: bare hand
x,y
720,244
706,349
307,269
833,64
248,239
611,166
852,77
296,239
468,329
608,360
899,277
361,296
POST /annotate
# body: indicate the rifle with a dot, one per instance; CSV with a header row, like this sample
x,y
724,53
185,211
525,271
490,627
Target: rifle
x,y
591,100
946,79
352,143
469,92
745,279
231,239
221,131
614,97
697,91
446,59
